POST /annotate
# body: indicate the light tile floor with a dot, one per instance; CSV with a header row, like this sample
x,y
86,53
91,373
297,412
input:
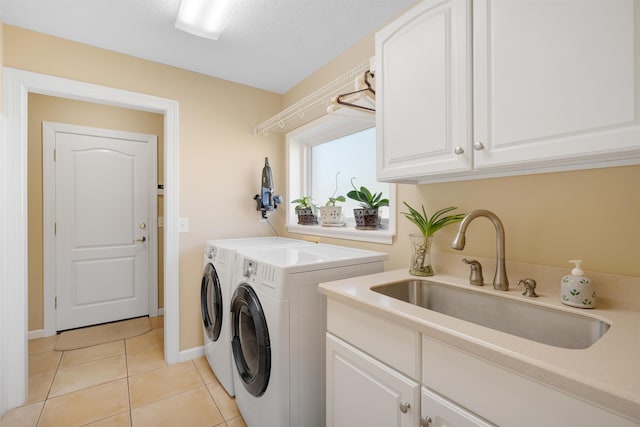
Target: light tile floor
x,y
121,384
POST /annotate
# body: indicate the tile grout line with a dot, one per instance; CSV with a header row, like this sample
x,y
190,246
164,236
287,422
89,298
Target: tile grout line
x,y
58,368
126,361
206,386
46,397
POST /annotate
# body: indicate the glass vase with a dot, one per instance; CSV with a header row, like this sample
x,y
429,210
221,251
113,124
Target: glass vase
x,y
421,255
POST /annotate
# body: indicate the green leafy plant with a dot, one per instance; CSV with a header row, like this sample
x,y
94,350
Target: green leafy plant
x,y
428,226
366,198
305,203
333,198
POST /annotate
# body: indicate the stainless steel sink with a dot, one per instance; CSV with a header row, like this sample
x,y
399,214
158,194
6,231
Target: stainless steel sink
x,y
545,325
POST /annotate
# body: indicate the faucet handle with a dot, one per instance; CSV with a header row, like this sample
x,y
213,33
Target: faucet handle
x,y
475,275
529,287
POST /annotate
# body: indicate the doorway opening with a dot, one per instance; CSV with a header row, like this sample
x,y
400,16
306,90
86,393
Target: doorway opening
x,y
17,84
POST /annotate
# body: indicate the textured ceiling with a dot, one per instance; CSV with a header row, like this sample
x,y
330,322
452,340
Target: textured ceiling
x,y
268,44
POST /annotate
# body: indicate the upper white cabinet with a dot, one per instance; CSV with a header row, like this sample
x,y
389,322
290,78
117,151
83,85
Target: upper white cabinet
x,y
555,86
423,113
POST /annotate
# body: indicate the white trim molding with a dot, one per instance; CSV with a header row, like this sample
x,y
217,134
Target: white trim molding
x,y
298,159
17,84
192,353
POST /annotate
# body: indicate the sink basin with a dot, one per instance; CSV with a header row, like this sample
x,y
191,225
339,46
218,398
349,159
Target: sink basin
x,y
545,325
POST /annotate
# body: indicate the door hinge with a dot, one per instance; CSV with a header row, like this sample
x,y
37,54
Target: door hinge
x,y
55,302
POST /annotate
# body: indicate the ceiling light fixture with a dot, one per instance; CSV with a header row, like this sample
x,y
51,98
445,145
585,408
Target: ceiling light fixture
x,y
205,18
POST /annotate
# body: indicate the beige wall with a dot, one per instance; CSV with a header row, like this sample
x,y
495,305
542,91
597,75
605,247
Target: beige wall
x,y
549,218
220,160
46,108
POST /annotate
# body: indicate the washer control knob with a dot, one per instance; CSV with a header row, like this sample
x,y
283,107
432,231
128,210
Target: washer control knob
x,y
249,268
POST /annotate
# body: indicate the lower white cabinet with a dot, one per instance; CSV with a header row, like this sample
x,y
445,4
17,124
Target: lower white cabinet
x,y
440,412
361,391
503,396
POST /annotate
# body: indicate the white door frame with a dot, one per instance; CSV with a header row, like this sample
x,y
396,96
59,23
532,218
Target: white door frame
x,y
49,197
17,84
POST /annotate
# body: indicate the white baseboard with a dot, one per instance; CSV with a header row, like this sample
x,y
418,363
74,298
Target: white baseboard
x,y
192,353
37,333
161,312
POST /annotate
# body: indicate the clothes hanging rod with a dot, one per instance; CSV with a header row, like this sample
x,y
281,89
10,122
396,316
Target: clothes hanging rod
x,y
322,95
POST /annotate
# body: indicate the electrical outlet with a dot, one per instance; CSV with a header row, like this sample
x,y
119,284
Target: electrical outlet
x,y
183,225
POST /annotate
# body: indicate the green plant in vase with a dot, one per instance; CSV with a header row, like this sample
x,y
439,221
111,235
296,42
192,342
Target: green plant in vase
x,y
366,216
330,213
367,199
306,210
421,243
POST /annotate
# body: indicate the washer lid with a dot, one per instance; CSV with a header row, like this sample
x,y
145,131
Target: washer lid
x,y
300,258
255,242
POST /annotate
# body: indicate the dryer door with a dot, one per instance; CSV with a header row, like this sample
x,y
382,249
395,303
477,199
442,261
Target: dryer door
x,y
250,340
211,302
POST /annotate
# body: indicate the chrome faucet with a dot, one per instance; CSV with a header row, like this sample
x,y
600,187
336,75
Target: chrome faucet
x,y
500,280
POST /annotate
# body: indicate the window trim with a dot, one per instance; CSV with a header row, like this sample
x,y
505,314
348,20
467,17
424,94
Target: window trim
x,y
298,149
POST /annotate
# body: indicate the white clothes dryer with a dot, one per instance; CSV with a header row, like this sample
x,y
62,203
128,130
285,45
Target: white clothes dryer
x,y
278,324
215,297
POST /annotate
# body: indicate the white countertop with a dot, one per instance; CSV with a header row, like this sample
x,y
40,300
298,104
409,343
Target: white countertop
x,y
607,374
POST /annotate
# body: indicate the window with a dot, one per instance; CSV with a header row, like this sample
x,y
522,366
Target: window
x,y
327,147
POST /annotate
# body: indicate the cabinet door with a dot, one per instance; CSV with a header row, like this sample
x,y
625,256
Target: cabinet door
x,y
556,83
361,391
423,104
440,412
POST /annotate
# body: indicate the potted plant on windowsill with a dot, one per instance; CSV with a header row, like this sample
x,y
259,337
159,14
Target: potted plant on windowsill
x,y
330,214
421,243
306,210
367,216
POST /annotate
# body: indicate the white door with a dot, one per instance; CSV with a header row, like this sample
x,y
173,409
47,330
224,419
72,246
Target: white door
x,y
103,181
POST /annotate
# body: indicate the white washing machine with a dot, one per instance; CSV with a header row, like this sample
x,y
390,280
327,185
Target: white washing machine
x,y
215,296
278,324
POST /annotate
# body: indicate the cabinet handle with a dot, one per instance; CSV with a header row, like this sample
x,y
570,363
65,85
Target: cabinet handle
x,y
404,407
142,239
425,421
478,146
459,150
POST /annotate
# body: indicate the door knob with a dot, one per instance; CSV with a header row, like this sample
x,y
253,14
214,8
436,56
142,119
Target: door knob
x,y
404,407
142,239
478,146
459,150
143,225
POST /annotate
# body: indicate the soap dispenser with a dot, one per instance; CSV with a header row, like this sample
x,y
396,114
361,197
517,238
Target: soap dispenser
x,y
576,290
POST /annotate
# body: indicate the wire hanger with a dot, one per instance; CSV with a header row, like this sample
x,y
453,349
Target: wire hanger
x,y
340,99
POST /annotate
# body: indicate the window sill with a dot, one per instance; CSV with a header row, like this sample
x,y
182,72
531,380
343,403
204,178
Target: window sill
x,y
348,232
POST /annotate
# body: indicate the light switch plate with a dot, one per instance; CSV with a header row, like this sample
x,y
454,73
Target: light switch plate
x,y
183,225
